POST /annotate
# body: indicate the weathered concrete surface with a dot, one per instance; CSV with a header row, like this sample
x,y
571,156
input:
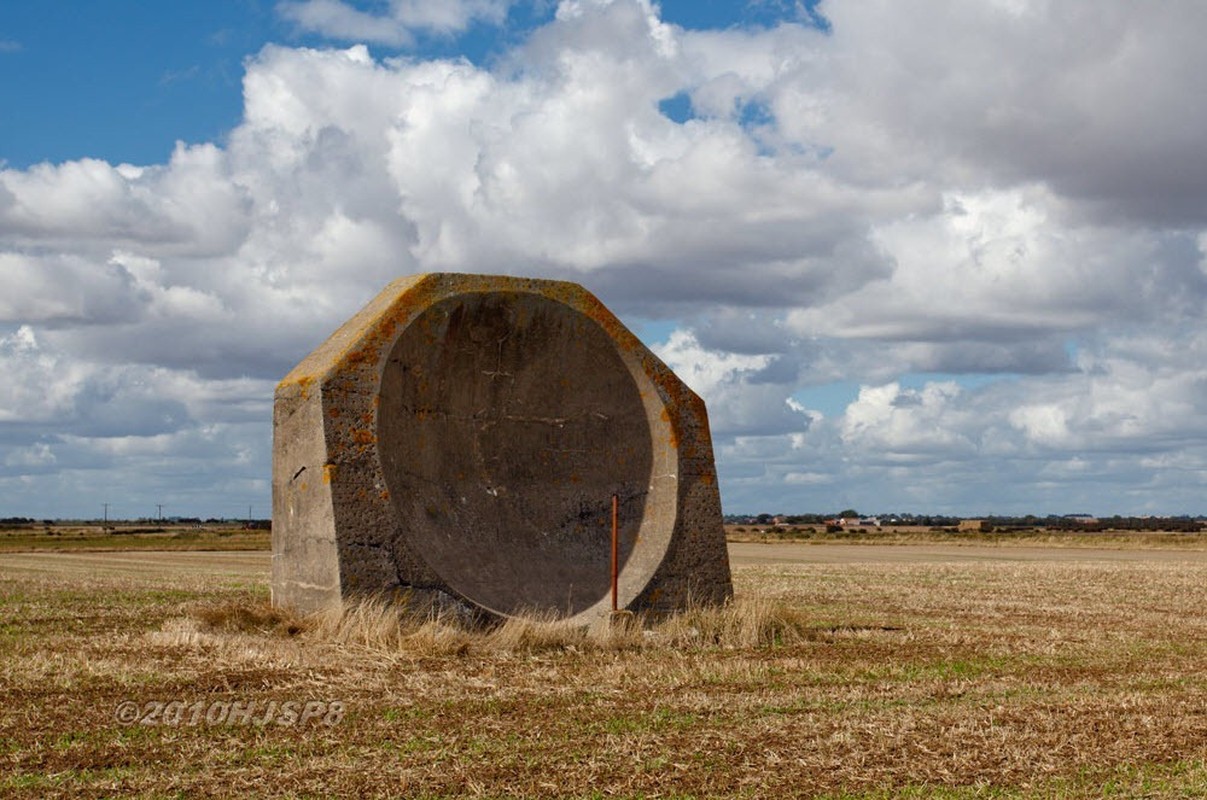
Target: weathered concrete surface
x,y
457,443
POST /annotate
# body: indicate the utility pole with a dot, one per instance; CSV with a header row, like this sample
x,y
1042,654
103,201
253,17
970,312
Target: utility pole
x,y
106,505
160,507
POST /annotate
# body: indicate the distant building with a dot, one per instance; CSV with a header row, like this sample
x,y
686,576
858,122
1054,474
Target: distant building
x,y
853,522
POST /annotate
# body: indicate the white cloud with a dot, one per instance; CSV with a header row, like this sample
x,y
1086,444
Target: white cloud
x,y
36,456
1093,99
1010,190
737,406
40,385
187,207
131,438
64,289
399,25
1125,432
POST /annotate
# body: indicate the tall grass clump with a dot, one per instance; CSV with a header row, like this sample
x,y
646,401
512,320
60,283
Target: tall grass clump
x,y
533,632
745,622
377,625
245,617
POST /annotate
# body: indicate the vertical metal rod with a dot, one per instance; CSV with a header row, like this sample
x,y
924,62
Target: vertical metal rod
x,y
615,549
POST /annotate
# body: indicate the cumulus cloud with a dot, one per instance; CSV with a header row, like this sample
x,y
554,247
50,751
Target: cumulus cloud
x,y
78,434
188,207
987,221
1093,99
399,25
1130,417
1009,265
739,404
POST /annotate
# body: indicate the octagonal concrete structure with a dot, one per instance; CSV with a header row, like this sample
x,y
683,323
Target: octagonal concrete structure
x,y
456,446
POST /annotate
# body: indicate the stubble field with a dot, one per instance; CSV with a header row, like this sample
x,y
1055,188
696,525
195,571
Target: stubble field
x,y
883,672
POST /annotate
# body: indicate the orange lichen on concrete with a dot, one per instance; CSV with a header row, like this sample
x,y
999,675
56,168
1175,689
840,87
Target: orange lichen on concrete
x,y
303,382
672,434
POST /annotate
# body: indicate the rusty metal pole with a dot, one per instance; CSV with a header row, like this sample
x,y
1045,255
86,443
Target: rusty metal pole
x,y
615,550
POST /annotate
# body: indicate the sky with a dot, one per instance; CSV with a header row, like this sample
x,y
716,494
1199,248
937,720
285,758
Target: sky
x,y
925,257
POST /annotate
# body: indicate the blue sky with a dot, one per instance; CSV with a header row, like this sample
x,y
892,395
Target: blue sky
x,y
123,80
933,257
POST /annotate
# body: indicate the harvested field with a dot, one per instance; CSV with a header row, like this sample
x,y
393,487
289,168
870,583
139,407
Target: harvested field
x,y
880,672
749,554
123,537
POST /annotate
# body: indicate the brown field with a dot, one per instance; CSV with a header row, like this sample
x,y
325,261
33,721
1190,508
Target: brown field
x,y
918,670
232,536
131,537
916,534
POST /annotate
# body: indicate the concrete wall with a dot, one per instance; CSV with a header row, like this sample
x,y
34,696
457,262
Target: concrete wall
x,y
457,444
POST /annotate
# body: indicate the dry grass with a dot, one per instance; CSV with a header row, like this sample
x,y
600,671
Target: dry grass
x,y
373,626
978,679
85,538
